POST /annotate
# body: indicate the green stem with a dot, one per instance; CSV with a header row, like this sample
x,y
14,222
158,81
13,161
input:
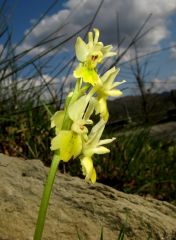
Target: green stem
x,y
46,197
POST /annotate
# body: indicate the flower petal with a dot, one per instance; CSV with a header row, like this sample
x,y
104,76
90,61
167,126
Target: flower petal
x,y
90,76
97,34
90,109
101,150
106,141
115,93
81,50
109,77
107,51
88,169
95,134
93,176
68,143
77,109
115,84
77,73
77,145
87,74
103,109
57,119
90,39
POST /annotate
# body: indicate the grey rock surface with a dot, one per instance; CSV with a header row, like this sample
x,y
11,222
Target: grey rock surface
x,y
75,207
166,131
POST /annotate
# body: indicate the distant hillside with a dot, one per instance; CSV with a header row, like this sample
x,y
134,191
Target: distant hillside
x,y
130,107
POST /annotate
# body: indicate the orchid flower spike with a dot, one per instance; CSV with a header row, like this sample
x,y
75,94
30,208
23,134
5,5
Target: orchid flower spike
x,y
76,135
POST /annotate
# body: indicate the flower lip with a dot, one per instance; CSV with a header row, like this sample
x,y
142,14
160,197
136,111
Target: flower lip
x,y
88,169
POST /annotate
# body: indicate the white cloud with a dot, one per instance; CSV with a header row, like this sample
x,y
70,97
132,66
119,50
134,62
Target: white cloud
x,y
173,51
132,14
161,85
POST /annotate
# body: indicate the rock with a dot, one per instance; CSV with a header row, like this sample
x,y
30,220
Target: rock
x,y
166,131
75,207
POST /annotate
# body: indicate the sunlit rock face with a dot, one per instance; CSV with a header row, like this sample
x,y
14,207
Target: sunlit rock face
x,y
75,207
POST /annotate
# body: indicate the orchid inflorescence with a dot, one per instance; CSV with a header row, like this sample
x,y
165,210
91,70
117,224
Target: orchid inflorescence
x,y
73,137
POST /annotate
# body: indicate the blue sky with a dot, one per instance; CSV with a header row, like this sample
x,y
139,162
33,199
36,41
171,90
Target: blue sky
x,y
131,15
24,11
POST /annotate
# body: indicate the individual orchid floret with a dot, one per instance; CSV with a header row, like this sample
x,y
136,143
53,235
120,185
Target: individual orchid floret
x,y
94,51
90,54
107,88
80,112
69,142
93,146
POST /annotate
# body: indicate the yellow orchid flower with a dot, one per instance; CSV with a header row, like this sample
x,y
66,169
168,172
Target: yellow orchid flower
x,y
90,55
80,112
93,52
68,143
107,88
93,146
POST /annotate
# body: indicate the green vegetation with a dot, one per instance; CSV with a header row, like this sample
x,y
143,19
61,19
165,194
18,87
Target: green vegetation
x,y
121,234
139,163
